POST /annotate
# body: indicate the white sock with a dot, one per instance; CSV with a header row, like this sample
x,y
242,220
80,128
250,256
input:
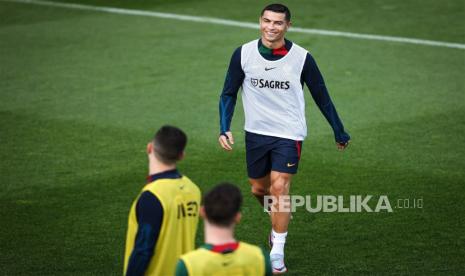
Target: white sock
x,y
279,239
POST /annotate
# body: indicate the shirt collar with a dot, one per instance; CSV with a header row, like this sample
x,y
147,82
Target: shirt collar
x,y
171,174
275,52
222,248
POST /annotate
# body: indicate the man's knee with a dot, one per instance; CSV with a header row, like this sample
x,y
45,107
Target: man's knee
x,y
280,184
279,189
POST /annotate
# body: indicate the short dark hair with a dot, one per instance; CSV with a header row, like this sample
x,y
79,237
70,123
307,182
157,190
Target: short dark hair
x,y
169,143
222,203
280,8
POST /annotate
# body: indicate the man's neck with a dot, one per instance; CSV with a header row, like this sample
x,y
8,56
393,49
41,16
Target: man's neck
x,y
156,166
218,235
273,44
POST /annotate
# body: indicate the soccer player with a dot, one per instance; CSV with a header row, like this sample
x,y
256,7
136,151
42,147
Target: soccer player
x,y
222,254
163,219
271,71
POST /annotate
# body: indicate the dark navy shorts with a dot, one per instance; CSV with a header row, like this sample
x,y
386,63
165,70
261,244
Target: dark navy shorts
x,y
266,153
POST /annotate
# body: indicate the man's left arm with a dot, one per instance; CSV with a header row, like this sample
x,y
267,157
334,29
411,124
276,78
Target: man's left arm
x,y
312,77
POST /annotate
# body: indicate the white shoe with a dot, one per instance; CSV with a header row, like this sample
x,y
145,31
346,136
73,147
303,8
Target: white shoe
x,y
277,264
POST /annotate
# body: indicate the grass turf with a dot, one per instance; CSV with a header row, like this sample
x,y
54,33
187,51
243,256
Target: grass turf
x,y
82,92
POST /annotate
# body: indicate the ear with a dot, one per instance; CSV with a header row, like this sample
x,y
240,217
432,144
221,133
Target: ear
x,y
202,212
181,156
238,218
289,24
150,148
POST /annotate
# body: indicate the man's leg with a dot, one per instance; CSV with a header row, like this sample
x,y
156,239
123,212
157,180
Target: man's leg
x,y
280,186
260,188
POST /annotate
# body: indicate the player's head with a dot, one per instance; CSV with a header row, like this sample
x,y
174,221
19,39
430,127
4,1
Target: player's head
x,y
222,204
168,145
275,19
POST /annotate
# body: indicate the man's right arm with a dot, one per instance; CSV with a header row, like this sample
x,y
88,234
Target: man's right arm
x,y
149,212
233,81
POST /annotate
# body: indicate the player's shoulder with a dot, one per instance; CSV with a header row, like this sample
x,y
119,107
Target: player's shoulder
x,y
188,181
309,59
249,45
238,50
249,247
304,50
199,252
161,184
254,254
245,45
299,48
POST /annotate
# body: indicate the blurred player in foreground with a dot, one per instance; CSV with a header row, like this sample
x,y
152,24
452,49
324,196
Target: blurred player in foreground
x,y
222,254
163,219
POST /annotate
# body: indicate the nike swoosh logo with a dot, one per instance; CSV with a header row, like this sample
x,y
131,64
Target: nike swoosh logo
x,y
268,69
290,165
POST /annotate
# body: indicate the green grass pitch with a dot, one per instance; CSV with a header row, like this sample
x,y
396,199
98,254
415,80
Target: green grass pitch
x,y
82,92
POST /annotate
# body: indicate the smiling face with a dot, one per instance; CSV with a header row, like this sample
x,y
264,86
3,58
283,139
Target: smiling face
x,y
273,26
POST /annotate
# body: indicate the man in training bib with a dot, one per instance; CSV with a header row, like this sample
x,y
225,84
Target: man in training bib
x,y
222,254
163,218
271,71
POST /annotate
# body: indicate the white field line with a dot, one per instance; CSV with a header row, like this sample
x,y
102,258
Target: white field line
x,y
219,21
